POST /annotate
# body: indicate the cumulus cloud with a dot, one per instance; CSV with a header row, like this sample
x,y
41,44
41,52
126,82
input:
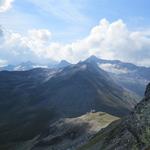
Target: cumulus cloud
x,y
3,63
42,34
106,40
5,5
18,48
113,68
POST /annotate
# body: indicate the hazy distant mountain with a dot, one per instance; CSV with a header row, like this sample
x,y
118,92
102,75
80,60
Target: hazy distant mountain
x,y
24,66
130,133
128,75
30,100
62,64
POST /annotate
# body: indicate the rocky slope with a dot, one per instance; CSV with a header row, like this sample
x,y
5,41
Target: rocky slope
x,y
31,100
128,75
68,133
130,133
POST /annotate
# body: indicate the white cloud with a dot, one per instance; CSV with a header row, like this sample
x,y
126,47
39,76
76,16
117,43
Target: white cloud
x,y
18,48
5,5
106,40
42,34
3,63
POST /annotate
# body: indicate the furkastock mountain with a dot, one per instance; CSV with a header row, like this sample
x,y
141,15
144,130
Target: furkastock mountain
x,y
31,100
128,75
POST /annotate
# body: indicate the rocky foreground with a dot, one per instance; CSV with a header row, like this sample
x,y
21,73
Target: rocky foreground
x,y
66,134
130,133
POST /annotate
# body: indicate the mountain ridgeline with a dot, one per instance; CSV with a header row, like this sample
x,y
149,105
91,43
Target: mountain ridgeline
x,y
31,100
34,102
128,75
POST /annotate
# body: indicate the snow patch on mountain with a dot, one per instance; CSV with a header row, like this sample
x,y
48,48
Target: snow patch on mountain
x,y
40,66
113,68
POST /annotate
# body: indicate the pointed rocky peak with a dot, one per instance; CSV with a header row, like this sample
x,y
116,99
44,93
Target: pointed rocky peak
x,y
92,58
90,66
63,63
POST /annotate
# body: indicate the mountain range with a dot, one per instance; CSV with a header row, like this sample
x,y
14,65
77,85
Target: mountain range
x,y
38,97
33,100
24,66
127,75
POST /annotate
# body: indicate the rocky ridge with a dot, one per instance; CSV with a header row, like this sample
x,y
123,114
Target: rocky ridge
x,y
131,132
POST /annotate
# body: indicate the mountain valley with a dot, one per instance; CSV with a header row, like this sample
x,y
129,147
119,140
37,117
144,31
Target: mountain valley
x,y
41,100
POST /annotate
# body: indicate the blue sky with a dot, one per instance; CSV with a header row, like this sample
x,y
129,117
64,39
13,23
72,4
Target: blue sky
x,y
26,14
69,21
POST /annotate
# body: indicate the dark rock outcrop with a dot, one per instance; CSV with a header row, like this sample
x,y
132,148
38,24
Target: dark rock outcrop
x,y
147,92
130,133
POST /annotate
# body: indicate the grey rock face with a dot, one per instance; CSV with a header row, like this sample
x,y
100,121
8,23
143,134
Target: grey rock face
x,y
147,92
130,133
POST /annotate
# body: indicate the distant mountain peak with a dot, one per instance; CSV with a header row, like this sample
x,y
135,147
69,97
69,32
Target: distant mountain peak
x,y
27,63
63,63
93,58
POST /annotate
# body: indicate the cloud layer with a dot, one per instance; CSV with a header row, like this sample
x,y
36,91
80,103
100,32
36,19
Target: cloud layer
x,y
5,5
106,40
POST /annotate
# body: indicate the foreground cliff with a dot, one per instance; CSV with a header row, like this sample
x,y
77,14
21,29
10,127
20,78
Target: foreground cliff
x,y
65,134
130,133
